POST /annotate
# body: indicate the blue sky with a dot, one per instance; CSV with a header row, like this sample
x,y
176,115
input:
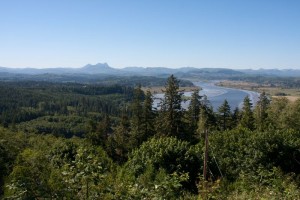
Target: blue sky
x,y
167,33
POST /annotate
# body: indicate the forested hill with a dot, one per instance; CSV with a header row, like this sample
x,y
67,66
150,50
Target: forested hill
x,y
273,72
93,141
103,72
102,79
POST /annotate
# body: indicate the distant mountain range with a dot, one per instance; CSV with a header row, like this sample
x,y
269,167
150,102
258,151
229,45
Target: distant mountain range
x,y
185,72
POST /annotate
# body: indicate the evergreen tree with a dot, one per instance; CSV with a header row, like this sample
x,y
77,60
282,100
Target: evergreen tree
x,y
207,119
104,129
194,111
170,119
119,143
225,115
236,116
292,115
100,133
261,111
247,120
277,112
137,117
148,117
205,102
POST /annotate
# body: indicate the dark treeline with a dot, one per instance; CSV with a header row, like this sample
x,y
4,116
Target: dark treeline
x,y
136,152
103,79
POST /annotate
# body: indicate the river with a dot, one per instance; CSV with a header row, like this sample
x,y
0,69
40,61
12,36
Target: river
x,y
216,95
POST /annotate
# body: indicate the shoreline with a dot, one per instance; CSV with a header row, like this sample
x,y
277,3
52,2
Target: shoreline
x,y
291,94
253,95
216,95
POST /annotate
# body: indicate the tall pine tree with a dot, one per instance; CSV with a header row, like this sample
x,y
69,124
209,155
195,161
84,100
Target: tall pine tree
x,y
236,115
100,133
148,117
118,144
194,109
224,115
247,120
192,114
170,117
261,112
137,117
207,120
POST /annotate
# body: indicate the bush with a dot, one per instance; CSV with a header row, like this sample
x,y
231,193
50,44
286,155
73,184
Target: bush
x,y
168,154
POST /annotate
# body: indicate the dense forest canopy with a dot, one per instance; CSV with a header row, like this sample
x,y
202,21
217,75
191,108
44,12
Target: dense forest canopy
x,y
105,141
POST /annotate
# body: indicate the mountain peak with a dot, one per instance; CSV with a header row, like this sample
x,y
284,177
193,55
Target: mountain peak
x,y
97,66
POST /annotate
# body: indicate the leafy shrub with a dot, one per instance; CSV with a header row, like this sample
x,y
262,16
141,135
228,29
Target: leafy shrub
x,y
168,154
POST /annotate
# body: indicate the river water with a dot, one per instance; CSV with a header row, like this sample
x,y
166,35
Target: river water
x,y
216,95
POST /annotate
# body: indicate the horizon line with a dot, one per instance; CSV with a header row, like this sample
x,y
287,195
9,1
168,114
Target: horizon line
x,y
145,67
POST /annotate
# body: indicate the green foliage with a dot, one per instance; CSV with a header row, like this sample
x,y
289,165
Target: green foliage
x,y
292,116
166,153
261,114
194,107
247,120
142,120
283,114
207,120
29,176
118,144
245,151
170,115
123,149
25,101
236,116
193,114
225,115
266,184
70,169
231,152
152,184
65,126
280,149
276,120
148,117
83,177
100,133
11,144
137,121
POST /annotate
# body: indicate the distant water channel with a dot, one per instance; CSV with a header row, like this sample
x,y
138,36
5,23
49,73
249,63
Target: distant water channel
x,y
216,95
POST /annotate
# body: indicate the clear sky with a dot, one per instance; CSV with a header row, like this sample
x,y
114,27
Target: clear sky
x,y
166,33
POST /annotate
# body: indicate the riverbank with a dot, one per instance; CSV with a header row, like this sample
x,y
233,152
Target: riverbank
x,y
272,91
215,94
234,96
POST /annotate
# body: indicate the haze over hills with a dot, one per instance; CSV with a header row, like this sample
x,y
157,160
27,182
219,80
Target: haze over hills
x,y
105,69
273,72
